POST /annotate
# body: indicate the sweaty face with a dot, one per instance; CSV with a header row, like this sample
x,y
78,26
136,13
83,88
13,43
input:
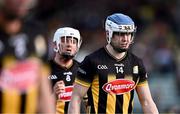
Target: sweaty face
x,y
68,46
121,41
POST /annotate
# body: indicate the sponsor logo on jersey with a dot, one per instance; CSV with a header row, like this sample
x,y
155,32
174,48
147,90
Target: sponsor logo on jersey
x,y
52,77
67,73
66,96
120,65
21,76
119,86
102,67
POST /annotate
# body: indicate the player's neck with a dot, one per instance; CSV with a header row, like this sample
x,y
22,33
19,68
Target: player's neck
x,y
65,63
114,53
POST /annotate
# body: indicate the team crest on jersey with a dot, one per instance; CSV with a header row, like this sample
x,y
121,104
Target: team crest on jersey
x,y
135,70
66,96
119,86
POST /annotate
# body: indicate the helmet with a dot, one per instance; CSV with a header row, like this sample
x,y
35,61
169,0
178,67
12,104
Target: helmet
x,y
119,23
64,32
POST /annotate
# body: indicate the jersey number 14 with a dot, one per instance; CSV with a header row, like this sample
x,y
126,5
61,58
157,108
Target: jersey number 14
x,y
119,70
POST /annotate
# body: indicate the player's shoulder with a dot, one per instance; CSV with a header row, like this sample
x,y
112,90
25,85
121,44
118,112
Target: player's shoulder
x,y
76,62
52,64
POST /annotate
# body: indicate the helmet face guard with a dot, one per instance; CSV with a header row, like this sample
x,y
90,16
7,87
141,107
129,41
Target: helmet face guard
x,y
65,33
119,23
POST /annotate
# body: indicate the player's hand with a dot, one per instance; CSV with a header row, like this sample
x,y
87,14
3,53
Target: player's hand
x,y
59,87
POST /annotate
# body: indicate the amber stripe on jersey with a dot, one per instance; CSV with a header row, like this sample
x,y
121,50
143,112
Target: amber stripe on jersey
x,y
31,101
60,106
95,92
127,97
0,101
11,102
16,102
111,98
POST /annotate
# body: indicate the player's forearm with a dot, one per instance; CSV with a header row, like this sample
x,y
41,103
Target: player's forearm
x,y
150,108
77,95
74,106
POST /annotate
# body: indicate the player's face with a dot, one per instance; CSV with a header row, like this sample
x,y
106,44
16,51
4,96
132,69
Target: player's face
x,y
121,41
68,45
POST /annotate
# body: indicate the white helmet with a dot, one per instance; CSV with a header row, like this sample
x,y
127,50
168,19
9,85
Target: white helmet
x,y
119,23
64,32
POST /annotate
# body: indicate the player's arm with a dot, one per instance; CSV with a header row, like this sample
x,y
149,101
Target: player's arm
x,y
46,99
146,100
78,93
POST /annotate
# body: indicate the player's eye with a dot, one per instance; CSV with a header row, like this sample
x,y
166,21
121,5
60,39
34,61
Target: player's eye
x,y
121,33
63,39
69,39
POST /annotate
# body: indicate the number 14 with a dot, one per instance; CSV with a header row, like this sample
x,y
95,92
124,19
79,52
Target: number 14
x,y
119,70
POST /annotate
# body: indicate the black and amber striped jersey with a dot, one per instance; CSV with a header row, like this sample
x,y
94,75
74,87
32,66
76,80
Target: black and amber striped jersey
x,y
111,82
68,76
20,68
19,85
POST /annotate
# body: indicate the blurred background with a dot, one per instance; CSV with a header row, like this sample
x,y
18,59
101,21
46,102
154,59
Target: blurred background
x,y
157,39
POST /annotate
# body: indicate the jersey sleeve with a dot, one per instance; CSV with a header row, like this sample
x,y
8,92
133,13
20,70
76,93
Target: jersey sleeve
x,y
85,72
142,74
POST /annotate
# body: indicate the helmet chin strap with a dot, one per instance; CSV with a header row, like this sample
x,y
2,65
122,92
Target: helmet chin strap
x,y
119,50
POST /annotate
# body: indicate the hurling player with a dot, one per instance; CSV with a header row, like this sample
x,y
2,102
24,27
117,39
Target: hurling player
x,y
67,42
112,74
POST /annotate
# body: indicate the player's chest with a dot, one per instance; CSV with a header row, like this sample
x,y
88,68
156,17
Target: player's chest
x,y
117,69
19,76
68,76
117,78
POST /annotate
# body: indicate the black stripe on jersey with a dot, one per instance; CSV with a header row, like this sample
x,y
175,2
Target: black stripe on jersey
x,y
102,101
130,102
1,99
119,104
66,107
90,101
23,102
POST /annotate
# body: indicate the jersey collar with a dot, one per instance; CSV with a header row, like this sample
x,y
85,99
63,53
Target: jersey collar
x,y
112,56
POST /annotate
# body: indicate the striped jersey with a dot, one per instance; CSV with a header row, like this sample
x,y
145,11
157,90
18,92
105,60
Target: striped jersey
x,y
68,76
111,81
21,68
19,85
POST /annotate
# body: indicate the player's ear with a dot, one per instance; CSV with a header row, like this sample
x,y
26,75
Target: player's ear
x,y
55,46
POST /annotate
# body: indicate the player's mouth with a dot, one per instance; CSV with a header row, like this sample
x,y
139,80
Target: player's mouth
x,y
123,45
68,50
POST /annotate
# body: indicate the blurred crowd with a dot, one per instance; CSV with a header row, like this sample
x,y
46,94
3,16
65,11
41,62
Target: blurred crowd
x,y
157,39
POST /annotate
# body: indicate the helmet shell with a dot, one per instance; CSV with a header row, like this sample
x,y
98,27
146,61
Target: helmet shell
x,y
119,22
64,32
